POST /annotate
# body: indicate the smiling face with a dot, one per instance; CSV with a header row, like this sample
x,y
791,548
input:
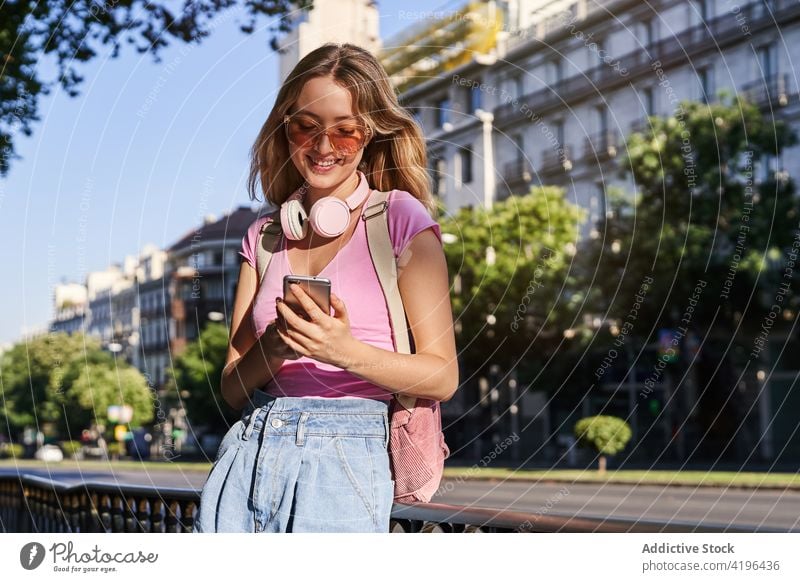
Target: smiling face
x,y
324,104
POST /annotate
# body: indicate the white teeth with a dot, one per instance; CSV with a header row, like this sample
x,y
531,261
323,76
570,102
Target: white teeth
x,y
326,163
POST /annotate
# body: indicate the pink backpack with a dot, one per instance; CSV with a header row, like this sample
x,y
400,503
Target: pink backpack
x,y
417,449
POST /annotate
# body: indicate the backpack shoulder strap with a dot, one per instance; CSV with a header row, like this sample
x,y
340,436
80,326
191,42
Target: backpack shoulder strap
x,y
382,254
268,239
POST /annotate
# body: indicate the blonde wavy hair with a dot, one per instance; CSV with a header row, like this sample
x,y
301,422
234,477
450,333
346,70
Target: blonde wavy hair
x,y
395,157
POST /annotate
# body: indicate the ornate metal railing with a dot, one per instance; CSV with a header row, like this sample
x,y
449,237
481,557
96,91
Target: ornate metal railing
x,y
39,505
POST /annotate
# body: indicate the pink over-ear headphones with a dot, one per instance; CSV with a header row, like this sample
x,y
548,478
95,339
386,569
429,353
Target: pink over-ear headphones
x,y
330,216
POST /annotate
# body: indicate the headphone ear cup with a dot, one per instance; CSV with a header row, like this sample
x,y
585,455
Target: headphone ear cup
x,y
330,217
294,220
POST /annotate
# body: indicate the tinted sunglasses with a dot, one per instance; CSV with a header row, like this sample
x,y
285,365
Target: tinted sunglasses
x,y
346,137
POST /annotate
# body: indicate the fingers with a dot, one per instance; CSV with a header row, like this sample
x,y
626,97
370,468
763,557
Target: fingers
x,y
311,307
296,347
292,319
340,311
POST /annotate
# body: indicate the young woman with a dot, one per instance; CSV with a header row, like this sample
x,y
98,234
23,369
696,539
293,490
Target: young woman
x,y
310,451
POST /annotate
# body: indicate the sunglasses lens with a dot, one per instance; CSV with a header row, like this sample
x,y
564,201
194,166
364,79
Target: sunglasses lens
x,y
346,137
301,133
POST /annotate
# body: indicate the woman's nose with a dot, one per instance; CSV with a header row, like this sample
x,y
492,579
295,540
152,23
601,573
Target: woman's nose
x,y
323,144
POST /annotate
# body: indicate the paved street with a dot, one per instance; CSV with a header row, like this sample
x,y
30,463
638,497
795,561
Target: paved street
x,y
709,505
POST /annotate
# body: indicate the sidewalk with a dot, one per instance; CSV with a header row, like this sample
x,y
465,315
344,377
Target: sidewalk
x,y
675,478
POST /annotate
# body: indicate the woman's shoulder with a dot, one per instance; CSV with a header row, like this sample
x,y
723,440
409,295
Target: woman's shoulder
x,y
407,216
405,199
263,217
404,205
250,238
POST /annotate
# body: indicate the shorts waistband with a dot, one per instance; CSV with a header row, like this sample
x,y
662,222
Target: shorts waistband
x,y
298,417
290,403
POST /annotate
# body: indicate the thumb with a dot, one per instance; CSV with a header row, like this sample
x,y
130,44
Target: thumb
x,y
338,307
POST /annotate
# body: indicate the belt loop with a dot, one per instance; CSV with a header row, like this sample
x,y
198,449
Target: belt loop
x,y
301,429
251,422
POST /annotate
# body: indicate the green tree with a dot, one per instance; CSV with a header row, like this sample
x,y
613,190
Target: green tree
x,y
195,380
712,237
68,380
101,384
77,30
32,373
699,214
606,435
508,267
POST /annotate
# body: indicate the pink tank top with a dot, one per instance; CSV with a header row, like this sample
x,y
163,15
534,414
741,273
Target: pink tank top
x,y
354,280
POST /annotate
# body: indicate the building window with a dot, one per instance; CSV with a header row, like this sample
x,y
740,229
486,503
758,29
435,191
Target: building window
x,y
438,169
767,60
475,99
706,82
601,113
704,10
649,101
442,112
198,260
518,87
559,127
465,154
555,71
763,8
519,145
648,33
598,52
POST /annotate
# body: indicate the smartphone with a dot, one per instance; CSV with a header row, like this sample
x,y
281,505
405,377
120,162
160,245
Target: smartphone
x,y
318,288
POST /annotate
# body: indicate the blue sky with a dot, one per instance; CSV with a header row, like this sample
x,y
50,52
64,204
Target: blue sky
x,y
140,156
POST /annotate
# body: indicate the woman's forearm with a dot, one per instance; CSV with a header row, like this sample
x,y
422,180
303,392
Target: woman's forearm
x,y
241,377
421,375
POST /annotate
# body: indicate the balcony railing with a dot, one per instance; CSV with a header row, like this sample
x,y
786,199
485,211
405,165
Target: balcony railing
x,y
556,160
601,146
641,125
771,90
714,34
39,505
517,171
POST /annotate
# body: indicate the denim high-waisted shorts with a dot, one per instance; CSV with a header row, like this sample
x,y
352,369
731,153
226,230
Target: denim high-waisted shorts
x,y
301,465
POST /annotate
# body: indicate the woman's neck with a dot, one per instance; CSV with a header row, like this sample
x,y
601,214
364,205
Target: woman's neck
x,y
342,191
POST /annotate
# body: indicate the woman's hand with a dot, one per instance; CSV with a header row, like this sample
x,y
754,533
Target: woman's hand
x,y
273,344
324,338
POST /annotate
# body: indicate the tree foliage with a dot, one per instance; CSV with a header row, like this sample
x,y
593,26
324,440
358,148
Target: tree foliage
x,y
700,213
75,31
68,380
509,267
195,381
606,435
